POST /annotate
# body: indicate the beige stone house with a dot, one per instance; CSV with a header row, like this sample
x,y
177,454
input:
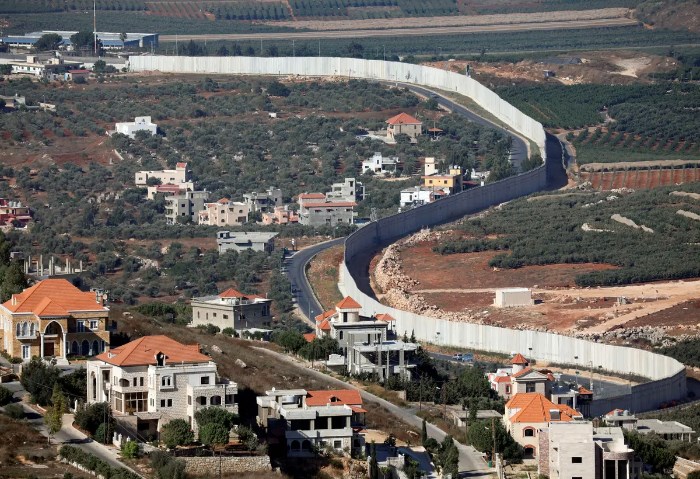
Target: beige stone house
x,y
224,212
54,319
403,123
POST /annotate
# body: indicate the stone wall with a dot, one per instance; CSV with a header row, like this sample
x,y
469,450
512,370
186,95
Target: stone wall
x,y
210,466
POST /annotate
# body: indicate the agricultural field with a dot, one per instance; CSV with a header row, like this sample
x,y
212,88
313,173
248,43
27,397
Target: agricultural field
x,y
639,178
560,245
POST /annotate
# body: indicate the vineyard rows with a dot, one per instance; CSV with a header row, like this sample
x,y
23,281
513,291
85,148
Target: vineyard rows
x,y
41,6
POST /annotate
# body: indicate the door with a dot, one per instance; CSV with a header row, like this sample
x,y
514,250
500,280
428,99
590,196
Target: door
x,y
49,349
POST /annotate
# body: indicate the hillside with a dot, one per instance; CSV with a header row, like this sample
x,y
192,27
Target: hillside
x,y
671,14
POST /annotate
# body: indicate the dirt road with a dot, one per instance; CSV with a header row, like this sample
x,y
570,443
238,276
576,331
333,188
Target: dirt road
x,y
396,32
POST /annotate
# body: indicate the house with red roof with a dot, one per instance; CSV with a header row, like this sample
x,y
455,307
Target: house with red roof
x,y
154,379
54,319
368,344
14,213
405,124
527,413
302,421
232,309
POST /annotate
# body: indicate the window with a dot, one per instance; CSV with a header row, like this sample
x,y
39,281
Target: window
x,y
133,381
93,324
204,380
576,460
135,402
81,326
530,388
162,403
189,400
337,444
166,381
26,352
141,381
528,432
225,316
507,389
170,403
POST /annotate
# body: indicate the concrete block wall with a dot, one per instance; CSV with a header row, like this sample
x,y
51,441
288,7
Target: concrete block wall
x,y
213,466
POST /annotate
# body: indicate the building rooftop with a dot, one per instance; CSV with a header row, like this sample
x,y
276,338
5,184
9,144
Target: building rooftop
x,y
330,204
312,196
535,408
336,397
143,351
403,119
248,237
54,297
662,427
519,359
385,346
348,303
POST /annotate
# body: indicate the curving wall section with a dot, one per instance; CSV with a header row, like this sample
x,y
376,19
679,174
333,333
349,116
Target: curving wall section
x,y
351,68
667,375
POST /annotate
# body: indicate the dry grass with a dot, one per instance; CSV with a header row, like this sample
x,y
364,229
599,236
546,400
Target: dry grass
x,y
323,276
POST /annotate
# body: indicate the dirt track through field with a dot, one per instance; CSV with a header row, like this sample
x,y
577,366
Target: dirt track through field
x,y
397,32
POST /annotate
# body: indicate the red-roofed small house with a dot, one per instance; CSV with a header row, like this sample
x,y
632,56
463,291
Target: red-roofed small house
x,y
155,379
232,309
526,413
53,318
403,123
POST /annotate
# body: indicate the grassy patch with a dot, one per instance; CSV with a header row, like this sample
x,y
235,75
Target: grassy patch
x,y
323,276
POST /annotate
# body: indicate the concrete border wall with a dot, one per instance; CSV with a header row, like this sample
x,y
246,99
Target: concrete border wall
x,y
667,375
351,68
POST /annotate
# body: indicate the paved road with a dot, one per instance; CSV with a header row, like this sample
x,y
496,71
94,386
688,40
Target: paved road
x,y
518,151
296,271
471,463
67,434
397,32
601,388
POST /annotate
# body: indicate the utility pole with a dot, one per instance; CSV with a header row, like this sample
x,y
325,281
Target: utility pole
x,y
94,23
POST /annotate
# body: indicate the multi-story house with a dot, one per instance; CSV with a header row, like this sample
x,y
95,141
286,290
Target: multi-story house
x,y
265,201
403,123
185,206
173,177
452,180
326,213
14,213
349,190
577,449
420,195
53,318
168,189
312,420
224,213
527,413
155,379
365,342
232,309
281,215
380,165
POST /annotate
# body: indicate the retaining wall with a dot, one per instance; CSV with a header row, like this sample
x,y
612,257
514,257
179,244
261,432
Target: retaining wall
x,y
213,466
351,68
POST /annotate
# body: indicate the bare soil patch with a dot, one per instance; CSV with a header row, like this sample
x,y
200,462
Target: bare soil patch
x,y
639,179
323,276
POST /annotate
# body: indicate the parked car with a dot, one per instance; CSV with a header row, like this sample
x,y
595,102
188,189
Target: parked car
x,y
457,357
467,357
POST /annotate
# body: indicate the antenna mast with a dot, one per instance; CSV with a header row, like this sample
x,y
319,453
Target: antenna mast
x,y
94,23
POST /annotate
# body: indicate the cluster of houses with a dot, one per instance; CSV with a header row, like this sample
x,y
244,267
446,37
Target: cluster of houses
x,y
546,418
14,214
152,380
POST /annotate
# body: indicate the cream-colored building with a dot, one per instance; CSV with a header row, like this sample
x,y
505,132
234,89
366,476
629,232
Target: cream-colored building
x,y
513,298
155,379
527,413
54,319
177,176
577,449
140,123
403,123
232,309
224,213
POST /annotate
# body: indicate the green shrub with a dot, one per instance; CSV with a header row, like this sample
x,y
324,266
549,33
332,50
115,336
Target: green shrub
x,y
104,433
213,434
176,433
130,449
5,396
229,331
15,411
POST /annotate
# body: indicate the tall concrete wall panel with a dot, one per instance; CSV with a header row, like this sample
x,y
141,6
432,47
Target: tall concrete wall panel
x,y
351,68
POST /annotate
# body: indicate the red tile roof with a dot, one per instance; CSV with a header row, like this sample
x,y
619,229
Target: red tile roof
x,y
181,165
53,297
522,373
403,119
324,315
582,390
348,303
384,317
502,379
325,325
224,201
79,71
142,352
309,337
337,397
535,408
234,293
519,359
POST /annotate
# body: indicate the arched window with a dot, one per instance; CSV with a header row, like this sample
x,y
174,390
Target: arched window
x,y
25,329
306,445
85,348
74,348
32,329
529,432
18,331
215,401
295,445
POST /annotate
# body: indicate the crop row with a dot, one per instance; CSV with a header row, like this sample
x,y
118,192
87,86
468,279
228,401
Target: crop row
x,y
37,6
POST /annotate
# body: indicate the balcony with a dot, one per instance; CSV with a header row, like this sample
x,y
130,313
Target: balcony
x,y
27,336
